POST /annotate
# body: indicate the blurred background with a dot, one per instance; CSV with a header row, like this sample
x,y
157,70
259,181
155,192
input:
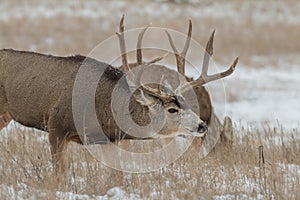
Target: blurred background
x,y
264,34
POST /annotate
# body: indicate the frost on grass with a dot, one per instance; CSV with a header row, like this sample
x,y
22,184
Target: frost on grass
x,y
23,191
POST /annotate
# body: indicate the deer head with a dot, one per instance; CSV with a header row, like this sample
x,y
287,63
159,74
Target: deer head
x,y
180,119
188,115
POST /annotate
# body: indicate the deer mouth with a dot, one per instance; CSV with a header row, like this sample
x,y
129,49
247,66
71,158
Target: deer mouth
x,y
200,132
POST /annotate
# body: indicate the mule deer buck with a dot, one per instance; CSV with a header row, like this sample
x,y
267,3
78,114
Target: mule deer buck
x,y
36,91
207,113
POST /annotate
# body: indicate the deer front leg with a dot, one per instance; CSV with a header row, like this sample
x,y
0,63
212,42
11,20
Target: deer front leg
x,y
5,118
58,149
58,145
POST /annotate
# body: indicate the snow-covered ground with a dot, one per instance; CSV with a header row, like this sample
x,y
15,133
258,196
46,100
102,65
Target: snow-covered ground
x,y
266,95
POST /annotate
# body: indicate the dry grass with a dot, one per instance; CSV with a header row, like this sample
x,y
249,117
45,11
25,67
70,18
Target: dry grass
x,y
25,160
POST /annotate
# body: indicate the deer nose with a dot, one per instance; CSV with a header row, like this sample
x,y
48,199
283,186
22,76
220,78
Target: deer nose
x,y
202,128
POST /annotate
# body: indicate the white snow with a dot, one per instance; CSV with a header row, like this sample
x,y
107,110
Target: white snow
x,y
265,95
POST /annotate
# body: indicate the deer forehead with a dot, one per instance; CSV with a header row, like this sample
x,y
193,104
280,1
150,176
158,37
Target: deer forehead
x,y
171,105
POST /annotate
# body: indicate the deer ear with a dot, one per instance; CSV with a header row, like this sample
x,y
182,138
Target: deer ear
x,y
143,98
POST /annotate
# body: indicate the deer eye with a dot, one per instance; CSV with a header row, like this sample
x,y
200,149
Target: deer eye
x,y
172,110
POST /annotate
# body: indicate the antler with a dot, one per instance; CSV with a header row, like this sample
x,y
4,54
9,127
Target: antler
x,y
137,80
120,35
157,92
139,56
204,77
180,57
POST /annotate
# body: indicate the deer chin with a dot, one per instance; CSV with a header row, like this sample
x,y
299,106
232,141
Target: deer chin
x,y
165,136
190,133
199,135
184,133
174,134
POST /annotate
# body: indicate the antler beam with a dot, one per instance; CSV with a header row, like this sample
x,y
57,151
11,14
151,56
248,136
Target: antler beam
x,y
204,77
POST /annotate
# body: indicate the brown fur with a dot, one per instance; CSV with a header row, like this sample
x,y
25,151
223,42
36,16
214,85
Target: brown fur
x,y
204,103
5,118
203,106
36,91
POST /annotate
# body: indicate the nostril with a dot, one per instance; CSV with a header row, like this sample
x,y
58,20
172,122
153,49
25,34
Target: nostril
x,y
202,128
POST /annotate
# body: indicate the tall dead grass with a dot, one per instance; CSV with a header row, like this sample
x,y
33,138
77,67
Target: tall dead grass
x,y
236,171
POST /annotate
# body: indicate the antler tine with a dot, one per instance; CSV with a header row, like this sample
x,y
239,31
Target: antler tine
x,y
120,35
180,57
188,39
155,60
158,92
208,53
161,83
139,55
204,77
172,43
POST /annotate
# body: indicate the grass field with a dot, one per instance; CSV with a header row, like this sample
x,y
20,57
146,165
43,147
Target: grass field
x,y
237,172
265,36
